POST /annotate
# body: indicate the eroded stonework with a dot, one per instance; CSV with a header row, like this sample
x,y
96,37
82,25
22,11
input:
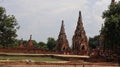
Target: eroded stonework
x,y
79,41
30,43
21,44
62,42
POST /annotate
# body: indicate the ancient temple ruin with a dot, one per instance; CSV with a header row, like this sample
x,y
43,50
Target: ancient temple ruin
x,y
21,43
112,1
30,43
79,40
62,42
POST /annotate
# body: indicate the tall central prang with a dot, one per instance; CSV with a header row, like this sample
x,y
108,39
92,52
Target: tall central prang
x,y
79,41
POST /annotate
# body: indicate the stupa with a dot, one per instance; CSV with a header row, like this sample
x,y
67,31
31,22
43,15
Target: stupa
x,y
79,40
62,42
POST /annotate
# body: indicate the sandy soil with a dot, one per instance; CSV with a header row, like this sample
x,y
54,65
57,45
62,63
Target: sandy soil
x,y
42,64
55,66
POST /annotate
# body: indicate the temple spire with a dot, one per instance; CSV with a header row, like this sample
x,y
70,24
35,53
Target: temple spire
x,y
79,13
62,31
30,44
79,22
112,1
79,40
30,37
80,18
62,42
21,43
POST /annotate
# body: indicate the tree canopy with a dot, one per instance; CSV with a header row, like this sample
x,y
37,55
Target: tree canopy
x,y
94,42
111,28
8,28
51,43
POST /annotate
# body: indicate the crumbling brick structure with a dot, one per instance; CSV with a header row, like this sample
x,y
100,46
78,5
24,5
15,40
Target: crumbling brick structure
x,y
21,45
30,43
79,41
62,45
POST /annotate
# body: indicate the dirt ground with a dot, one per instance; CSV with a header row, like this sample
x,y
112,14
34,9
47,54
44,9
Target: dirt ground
x,y
24,64
55,66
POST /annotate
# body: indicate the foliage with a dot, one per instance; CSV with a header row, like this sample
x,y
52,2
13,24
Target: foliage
x,y
42,45
25,42
94,42
15,43
8,28
34,42
51,43
111,28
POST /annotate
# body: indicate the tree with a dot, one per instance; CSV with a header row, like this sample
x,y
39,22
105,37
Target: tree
x,y
42,45
8,28
16,43
35,43
94,42
111,28
51,43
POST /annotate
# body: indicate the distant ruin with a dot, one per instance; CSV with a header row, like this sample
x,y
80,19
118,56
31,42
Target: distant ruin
x,y
30,43
79,45
21,45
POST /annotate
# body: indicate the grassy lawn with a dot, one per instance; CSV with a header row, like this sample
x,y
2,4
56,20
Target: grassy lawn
x,y
33,59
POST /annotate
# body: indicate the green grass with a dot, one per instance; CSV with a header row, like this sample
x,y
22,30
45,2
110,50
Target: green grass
x,y
34,59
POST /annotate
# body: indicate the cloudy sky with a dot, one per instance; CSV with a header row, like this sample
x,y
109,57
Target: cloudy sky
x,y
42,18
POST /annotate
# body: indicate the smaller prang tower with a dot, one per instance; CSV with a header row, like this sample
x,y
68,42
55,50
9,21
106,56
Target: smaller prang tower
x,y
62,45
112,1
79,40
30,43
21,43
